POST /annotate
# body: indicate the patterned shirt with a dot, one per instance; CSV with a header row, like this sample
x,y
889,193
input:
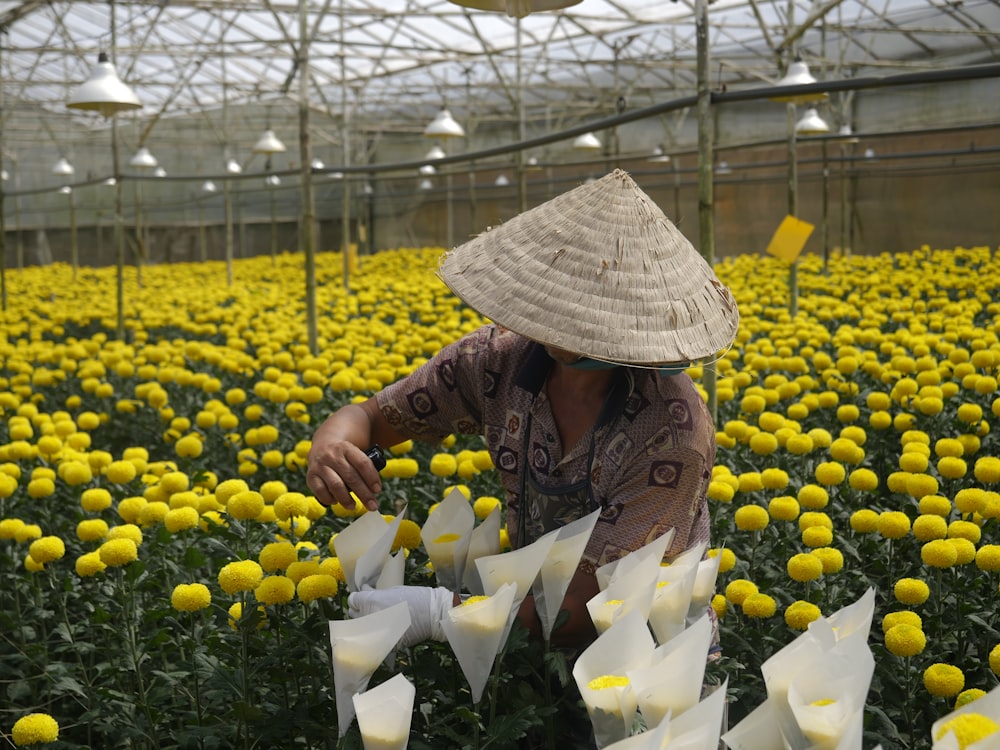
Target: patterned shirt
x,y
649,456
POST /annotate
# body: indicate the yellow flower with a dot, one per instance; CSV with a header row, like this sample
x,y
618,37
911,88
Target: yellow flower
x,y
911,591
275,589
47,549
919,485
813,497
987,469
35,729
800,613
943,680
720,491
968,728
91,530
967,696
229,488
277,556
190,597
407,535
817,536
291,505
608,681
484,505
763,443
988,558
244,505
117,552
751,518
728,558
302,568
893,524
902,617
831,557
783,508
927,527
905,640
965,530
89,564
243,575
936,505
720,605
804,567
938,553
179,519
317,586
830,473
995,660
738,590
864,521
443,465
759,606
863,480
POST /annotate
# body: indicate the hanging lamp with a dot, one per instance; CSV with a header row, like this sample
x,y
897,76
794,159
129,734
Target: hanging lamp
x,y
444,126
62,168
587,142
798,75
104,91
143,159
269,144
208,186
811,124
659,156
516,8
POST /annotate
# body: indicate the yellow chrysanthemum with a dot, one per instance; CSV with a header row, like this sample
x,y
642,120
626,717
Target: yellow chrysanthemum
x,y
911,591
783,508
893,524
943,680
751,518
190,597
864,521
317,586
117,552
47,549
35,729
242,575
968,728
759,606
800,613
738,590
276,589
905,640
804,567
902,617
277,556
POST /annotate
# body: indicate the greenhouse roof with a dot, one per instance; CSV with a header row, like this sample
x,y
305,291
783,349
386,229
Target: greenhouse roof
x,y
396,62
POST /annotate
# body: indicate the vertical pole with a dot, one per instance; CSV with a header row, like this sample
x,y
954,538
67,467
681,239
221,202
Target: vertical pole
x,y
3,210
706,186
345,133
119,218
74,247
825,229
522,177
793,207
305,159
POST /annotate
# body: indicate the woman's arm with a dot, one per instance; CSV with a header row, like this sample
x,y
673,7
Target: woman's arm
x,y
337,464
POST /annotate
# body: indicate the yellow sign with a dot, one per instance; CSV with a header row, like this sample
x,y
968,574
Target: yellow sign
x,y
789,239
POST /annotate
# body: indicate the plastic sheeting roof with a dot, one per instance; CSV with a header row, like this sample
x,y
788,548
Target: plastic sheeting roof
x,y
398,61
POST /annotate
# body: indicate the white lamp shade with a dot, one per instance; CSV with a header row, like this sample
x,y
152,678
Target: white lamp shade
x,y
160,172
63,168
427,169
723,168
659,155
811,124
798,75
269,144
143,159
846,135
501,180
436,152
104,91
532,165
317,164
4,175
516,8
233,166
587,142
273,180
336,175
425,184
208,186
444,126
110,182
65,190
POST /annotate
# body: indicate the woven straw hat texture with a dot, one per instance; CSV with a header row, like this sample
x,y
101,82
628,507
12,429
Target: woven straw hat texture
x,y
599,271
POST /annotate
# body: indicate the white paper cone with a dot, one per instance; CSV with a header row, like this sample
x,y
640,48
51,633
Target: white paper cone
x,y
392,571
358,646
484,541
988,705
384,714
452,518
351,544
633,584
474,631
559,567
699,727
623,566
704,583
369,566
759,730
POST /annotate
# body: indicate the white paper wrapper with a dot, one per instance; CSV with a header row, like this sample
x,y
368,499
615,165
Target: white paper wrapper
x,y
519,567
759,730
358,646
559,567
668,611
704,584
392,572
484,541
626,645
633,584
384,714
672,683
654,738
446,535
475,632
699,727
623,566
988,706
363,547
836,725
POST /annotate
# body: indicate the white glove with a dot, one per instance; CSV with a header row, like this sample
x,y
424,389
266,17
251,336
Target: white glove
x,y
428,606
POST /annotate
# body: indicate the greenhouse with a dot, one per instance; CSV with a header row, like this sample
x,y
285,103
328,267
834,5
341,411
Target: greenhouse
x,y
226,225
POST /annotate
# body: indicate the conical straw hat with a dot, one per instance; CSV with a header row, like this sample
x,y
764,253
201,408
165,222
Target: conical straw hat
x,y
599,271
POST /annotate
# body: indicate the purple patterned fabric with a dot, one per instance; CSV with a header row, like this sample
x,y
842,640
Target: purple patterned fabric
x,y
652,461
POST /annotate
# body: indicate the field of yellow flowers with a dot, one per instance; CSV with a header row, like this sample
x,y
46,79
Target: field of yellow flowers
x,y
166,580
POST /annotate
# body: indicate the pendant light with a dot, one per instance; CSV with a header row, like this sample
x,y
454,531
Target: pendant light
x,y
208,186
516,8
143,159
63,168
233,166
269,144
798,75
104,92
659,156
811,124
444,126
587,142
